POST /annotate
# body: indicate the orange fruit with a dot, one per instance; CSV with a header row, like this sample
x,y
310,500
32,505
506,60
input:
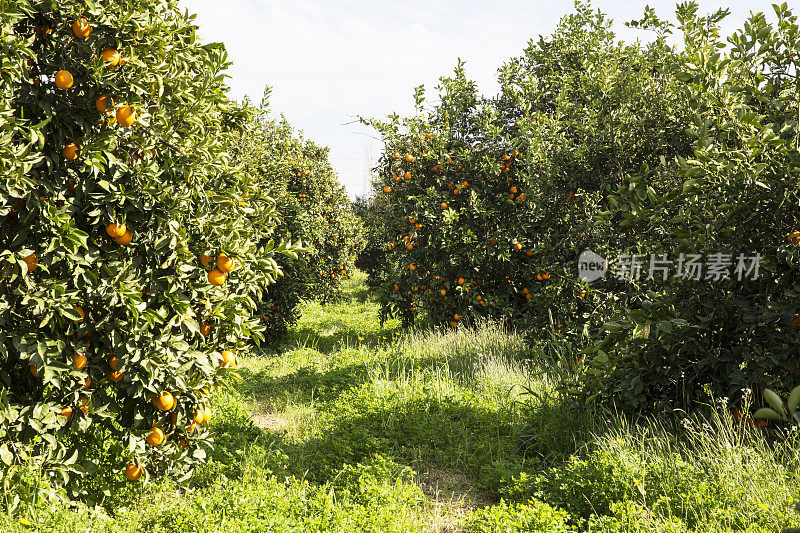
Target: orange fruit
x,y
444,205
133,472
31,261
183,443
396,288
110,56
409,247
79,310
64,79
79,361
205,260
461,281
517,246
103,103
529,252
456,316
442,292
453,323
70,152
116,376
87,383
67,412
411,266
126,116
125,239
116,230
205,329
224,263
228,359
795,324
33,370
113,362
409,158
155,437
216,277
164,401
387,189
396,155
81,28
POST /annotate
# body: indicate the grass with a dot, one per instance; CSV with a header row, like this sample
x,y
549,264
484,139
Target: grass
x,y
356,426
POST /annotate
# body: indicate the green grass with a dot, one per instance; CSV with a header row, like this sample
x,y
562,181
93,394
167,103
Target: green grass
x,y
357,426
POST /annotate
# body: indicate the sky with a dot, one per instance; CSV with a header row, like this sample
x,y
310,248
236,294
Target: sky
x,y
330,61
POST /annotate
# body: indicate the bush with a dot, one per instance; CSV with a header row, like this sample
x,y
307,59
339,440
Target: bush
x,y
111,334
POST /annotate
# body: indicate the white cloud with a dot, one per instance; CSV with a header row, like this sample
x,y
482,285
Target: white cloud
x,y
328,61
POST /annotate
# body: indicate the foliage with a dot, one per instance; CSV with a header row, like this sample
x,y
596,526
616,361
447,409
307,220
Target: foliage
x,y
313,208
94,328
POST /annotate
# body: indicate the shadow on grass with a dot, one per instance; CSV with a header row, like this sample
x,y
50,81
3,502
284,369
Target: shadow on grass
x,y
335,334
304,384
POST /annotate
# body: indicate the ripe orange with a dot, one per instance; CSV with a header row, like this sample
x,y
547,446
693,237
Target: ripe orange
x,y
125,239
224,263
79,310
228,359
116,230
133,472
387,189
461,281
81,28
155,437
126,116
67,412
409,158
33,370
70,152
409,247
205,329
444,205
31,261
517,246
205,260
79,361
411,266
216,277
442,292
795,324
115,376
113,362
110,56
64,79
456,316
103,103
396,288
396,155
164,401
453,323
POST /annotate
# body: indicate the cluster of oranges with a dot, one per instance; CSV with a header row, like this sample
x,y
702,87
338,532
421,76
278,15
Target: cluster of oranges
x,y
125,115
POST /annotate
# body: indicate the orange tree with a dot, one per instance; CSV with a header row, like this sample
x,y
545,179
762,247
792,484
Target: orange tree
x,y
133,251
313,208
735,193
482,206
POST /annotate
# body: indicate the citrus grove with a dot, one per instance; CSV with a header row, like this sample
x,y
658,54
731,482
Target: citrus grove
x,y
158,242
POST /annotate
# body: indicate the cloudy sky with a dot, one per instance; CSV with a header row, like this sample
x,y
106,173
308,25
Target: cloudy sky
x,y
328,61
